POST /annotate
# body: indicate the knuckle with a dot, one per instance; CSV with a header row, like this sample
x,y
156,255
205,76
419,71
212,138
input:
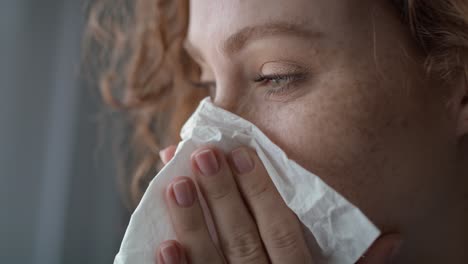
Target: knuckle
x,y
245,246
257,189
217,191
200,251
191,227
282,238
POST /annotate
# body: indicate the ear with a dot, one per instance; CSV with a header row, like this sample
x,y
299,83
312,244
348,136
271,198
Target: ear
x,y
463,108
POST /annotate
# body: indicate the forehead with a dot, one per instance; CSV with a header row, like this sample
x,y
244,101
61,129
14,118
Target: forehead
x,y
211,22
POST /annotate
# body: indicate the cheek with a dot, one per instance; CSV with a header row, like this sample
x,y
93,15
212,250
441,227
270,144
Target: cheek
x,y
342,135
326,131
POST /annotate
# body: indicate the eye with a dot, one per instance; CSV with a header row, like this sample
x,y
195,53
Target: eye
x,y
274,79
279,83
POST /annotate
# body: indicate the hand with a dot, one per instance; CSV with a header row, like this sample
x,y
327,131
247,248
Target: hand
x,y
254,224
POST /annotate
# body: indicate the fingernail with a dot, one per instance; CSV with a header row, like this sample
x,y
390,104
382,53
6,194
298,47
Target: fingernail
x,y
242,160
170,254
183,193
394,253
207,162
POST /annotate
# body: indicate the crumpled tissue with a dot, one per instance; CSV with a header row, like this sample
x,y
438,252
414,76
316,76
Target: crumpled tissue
x,y
335,230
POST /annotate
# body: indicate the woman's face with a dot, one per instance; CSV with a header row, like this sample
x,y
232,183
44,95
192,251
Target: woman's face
x,y
339,85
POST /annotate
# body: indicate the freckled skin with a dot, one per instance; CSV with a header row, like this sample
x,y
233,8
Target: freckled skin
x,y
368,120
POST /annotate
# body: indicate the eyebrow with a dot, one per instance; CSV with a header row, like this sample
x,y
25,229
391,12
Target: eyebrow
x,y
248,34
243,37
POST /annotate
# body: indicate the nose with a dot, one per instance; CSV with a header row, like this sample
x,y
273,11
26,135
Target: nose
x,y
225,102
232,94
228,94
240,105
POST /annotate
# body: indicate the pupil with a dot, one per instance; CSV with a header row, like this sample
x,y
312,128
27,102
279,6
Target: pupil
x,y
276,81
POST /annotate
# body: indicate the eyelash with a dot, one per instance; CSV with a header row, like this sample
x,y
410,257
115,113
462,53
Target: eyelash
x,y
290,79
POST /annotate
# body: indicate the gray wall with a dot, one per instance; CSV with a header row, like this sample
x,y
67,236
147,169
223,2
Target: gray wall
x,y
57,192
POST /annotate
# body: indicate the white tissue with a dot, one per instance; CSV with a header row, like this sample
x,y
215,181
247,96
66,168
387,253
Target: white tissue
x,y
336,231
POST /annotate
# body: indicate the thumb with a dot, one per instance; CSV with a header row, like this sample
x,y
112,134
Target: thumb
x,y
383,251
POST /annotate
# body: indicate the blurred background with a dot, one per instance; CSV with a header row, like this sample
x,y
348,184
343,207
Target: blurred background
x,y
58,191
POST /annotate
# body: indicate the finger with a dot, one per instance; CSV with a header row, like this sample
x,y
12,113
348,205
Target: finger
x,y
279,227
237,231
383,251
189,223
171,252
167,153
